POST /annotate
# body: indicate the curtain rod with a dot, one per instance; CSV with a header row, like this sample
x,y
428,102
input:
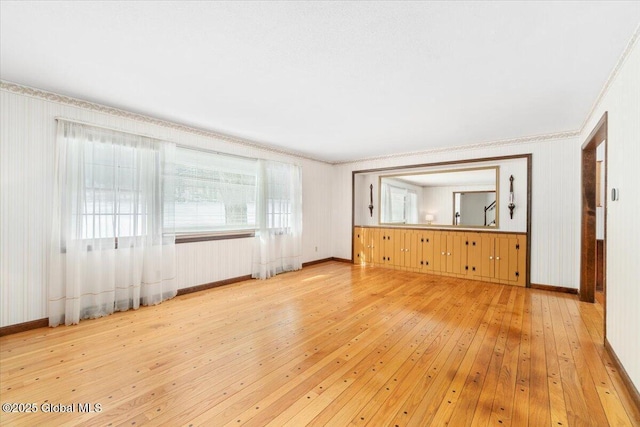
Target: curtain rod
x,y
188,147
80,122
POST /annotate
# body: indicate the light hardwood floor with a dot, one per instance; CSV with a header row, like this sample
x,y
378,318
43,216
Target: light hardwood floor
x,y
333,344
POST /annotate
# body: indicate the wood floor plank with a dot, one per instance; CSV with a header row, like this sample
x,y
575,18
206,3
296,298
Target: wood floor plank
x,y
435,302
597,363
521,396
582,375
502,409
431,389
559,415
575,401
540,404
484,407
332,344
460,396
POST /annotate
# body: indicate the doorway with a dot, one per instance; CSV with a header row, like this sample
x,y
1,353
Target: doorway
x,y
594,213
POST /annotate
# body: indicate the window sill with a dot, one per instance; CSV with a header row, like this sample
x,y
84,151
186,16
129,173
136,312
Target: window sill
x,y
205,237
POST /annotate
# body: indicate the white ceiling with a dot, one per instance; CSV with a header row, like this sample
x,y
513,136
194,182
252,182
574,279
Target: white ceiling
x,y
476,177
334,81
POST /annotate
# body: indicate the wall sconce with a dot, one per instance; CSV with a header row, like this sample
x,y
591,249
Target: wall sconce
x,y
371,200
429,218
511,205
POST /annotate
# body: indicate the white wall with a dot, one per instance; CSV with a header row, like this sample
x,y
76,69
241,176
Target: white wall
x,y
622,102
27,150
555,222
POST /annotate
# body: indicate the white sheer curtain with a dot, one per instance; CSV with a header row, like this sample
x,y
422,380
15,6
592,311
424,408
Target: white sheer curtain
x,y
112,245
412,207
385,201
278,240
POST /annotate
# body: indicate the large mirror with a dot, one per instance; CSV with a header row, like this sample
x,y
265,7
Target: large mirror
x,y
461,197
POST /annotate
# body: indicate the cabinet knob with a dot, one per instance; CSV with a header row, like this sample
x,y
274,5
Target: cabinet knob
x,y
442,253
498,258
448,253
490,257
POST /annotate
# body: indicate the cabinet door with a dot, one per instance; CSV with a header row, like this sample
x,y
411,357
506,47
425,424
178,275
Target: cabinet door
x,y
521,250
508,259
502,258
439,255
397,259
413,251
474,254
459,253
426,251
387,243
358,245
447,249
487,264
377,246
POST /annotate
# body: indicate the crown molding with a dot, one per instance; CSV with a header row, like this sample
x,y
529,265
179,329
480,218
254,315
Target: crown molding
x,y
468,147
614,73
66,100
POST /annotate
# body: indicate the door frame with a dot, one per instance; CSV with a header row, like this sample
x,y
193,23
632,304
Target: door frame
x,y
588,256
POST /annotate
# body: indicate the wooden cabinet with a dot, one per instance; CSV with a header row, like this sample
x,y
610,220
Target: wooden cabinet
x,y
450,252
495,257
474,255
365,245
384,242
502,258
358,245
426,251
406,249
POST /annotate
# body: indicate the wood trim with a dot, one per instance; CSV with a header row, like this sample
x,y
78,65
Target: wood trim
x,y
605,204
353,209
552,288
318,261
626,379
599,133
529,210
212,285
600,266
440,228
193,239
588,216
22,327
348,261
448,162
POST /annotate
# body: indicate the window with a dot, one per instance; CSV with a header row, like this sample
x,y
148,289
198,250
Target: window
x,y
111,202
214,192
278,195
113,185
